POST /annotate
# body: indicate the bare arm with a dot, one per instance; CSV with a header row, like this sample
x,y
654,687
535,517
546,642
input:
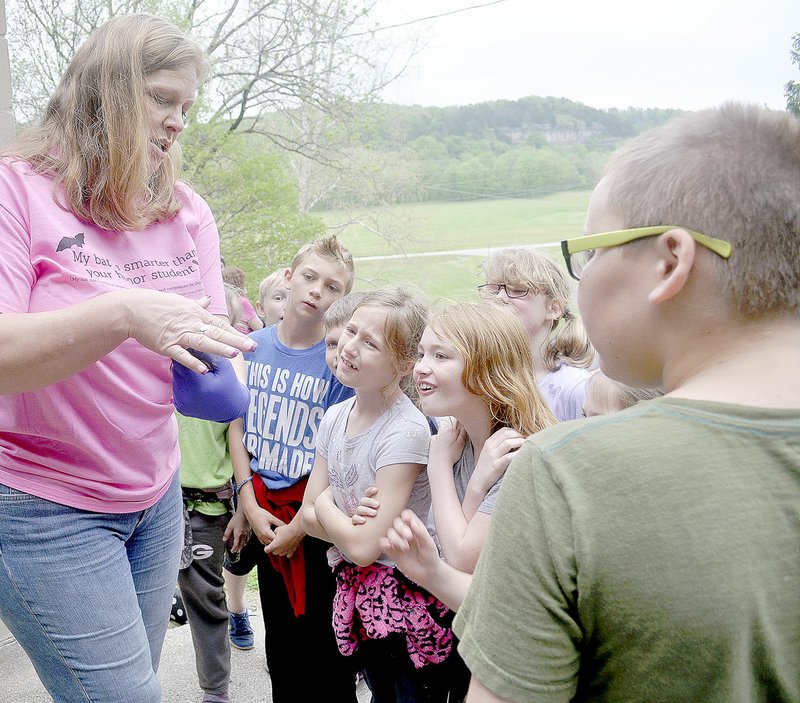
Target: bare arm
x,y
51,346
254,323
478,693
261,521
360,543
239,368
287,538
317,483
461,538
237,531
496,455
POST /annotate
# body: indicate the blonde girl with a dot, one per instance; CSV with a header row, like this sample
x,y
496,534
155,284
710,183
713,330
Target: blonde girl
x,y
538,290
474,364
378,438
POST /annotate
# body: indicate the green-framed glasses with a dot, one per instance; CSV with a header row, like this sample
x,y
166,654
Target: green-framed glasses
x,y
579,251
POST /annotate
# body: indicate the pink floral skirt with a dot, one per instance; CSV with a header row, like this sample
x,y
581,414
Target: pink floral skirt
x,y
375,601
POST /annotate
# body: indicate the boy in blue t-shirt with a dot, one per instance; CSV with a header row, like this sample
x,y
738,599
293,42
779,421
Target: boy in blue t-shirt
x,y
272,450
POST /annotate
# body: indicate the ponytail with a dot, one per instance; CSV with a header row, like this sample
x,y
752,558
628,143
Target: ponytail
x,y
568,344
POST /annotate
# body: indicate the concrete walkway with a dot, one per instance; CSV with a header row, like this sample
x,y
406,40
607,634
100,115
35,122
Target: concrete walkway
x,y
249,678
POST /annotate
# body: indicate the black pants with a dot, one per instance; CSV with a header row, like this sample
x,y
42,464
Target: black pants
x,y
304,662
392,678
202,588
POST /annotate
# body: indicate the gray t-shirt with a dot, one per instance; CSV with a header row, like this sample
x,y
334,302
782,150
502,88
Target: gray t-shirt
x,y
462,472
647,555
400,436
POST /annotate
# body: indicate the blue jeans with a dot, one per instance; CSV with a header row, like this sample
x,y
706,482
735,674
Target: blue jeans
x,y
88,595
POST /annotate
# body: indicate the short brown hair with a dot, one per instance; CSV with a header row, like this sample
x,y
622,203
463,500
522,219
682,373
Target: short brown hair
x,y
328,247
732,173
234,276
341,310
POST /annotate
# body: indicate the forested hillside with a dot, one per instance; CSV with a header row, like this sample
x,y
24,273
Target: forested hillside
x,y
503,148
266,194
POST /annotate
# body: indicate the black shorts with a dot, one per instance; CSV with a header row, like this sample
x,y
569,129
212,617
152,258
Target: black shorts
x,y
248,558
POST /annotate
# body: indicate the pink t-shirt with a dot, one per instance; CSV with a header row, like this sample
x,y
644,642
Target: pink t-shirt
x,y
104,439
248,313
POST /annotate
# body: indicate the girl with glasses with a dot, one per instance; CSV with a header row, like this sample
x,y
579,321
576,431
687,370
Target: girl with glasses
x,y
538,290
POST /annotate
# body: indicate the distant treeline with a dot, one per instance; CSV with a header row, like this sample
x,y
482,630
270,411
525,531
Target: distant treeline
x,y
504,148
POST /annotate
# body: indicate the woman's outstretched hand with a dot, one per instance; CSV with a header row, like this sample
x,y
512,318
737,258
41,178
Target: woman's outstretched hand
x,y
170,324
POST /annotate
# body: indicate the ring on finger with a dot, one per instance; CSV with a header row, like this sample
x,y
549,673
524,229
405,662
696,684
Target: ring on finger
x,y
203,330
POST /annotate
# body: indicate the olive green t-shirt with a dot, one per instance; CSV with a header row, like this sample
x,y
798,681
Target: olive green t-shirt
x,y
650,555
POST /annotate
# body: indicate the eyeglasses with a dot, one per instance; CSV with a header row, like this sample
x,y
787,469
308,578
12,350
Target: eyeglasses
x,y
492,290
579,251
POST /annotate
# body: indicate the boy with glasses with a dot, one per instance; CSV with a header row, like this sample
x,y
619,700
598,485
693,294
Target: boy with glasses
x,y
652,554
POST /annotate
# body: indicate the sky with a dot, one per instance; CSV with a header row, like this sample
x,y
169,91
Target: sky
x,y
686,54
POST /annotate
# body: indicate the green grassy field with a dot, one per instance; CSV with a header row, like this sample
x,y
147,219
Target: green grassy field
x,y
450,226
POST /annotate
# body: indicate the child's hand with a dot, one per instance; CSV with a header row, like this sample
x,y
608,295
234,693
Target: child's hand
x,y
367,506
287,540
410,546
262,521
448,445
497,453
237,532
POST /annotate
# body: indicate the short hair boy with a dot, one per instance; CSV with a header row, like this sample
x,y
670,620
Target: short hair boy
x,y
651,554
272,297
290,389
333,323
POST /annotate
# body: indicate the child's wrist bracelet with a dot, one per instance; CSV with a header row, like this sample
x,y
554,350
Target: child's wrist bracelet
x,y
241,485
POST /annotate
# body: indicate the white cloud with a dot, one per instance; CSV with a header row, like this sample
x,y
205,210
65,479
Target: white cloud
x,y
686,53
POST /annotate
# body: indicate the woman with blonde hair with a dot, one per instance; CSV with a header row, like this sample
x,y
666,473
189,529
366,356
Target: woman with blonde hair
x,y
110,272
533,285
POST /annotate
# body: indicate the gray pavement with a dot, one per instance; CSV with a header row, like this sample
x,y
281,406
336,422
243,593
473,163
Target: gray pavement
x,y
249,678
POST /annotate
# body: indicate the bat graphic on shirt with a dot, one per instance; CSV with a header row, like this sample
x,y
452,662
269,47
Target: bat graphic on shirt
x,y
68,242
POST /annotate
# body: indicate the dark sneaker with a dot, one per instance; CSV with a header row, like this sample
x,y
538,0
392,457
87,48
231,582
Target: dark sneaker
x,y
239,630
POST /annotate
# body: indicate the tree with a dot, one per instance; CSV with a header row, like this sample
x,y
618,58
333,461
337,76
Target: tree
x,y
251,191
792,88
